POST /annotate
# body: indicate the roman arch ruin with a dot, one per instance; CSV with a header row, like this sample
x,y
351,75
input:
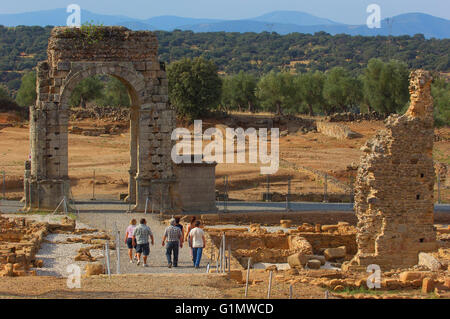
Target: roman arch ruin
x,y
73,55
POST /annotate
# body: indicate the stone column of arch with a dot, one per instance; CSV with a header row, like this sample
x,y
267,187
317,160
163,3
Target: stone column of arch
x,y
73,55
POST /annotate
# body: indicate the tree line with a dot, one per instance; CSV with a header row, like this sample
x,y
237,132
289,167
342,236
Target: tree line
x,y
255,53
196,89
382,87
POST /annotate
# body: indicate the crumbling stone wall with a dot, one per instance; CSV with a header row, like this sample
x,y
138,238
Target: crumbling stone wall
x,y
268,218
263,246
337,130
394,187
19,242
73,55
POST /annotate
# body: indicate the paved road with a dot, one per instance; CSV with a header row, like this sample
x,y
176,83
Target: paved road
x,y
235,207
300,206
10,206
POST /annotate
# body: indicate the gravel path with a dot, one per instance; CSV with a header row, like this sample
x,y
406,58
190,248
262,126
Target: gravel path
x,y
157,260
57,254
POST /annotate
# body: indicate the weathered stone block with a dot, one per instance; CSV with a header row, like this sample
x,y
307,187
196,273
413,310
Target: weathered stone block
x,y
429,261
427,285
332,254
313,264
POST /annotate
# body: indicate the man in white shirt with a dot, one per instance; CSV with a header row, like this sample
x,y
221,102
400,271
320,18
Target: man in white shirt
x,y
197,241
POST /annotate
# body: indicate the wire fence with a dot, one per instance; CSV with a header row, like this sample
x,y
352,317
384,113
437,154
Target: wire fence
x,y
294,183
283,187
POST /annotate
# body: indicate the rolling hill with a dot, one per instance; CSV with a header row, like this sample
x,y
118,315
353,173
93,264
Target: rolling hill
x,y
281,22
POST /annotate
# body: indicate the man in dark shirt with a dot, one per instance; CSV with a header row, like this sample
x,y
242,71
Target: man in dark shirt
x,y
174,238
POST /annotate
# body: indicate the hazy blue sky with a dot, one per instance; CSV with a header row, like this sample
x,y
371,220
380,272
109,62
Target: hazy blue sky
x,y
345,11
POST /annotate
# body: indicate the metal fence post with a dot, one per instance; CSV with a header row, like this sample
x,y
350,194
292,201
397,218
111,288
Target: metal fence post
x,y
248,275
108,266
29,194
225,195
352,188
229,258
288,196
118,249
270,284
268,188
93,186
220,255
223,255
325,188
4,185
439,187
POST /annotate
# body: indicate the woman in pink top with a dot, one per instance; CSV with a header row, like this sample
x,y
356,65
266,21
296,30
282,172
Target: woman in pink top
x,y
129,239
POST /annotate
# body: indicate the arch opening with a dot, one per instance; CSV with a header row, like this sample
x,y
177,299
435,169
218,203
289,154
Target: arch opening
x,y
98,165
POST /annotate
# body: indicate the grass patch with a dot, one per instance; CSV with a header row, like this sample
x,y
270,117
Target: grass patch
x,y
432,295
72,216
36,212
440,156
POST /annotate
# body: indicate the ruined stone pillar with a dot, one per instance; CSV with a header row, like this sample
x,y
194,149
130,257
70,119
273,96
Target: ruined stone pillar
x,y
143,158
47,181
394,186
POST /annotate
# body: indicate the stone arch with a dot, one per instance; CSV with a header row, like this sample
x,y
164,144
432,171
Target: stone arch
x,y
74,55
133,81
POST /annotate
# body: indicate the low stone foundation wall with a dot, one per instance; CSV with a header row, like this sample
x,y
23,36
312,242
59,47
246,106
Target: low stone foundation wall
x,y
264,247
20,240
320,241
339,131
297,218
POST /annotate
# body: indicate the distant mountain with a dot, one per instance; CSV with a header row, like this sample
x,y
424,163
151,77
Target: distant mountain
x,y
243,26
169,23
135,25
293,17
404,24
281,22
58,17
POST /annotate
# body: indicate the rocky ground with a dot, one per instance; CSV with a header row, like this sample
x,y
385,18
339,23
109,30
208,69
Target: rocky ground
x,y
60,248
137,286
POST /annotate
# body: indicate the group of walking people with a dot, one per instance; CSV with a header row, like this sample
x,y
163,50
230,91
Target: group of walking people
x,y
140,236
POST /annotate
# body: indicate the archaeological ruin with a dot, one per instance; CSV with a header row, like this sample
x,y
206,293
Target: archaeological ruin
x,y
394,186
75,54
